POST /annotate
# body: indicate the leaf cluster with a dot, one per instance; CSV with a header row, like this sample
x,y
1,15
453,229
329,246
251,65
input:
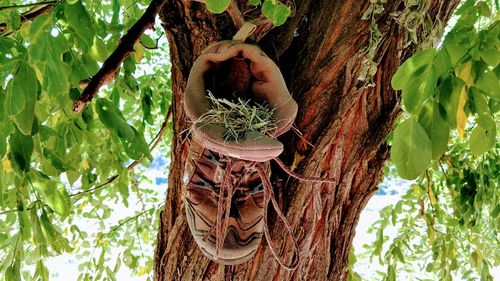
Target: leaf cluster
x,y
274,10
53,162
447,224
447,87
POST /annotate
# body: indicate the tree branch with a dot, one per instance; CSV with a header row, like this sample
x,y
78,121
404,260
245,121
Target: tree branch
x,y
152,145
235,14
125,48
29,15
53,2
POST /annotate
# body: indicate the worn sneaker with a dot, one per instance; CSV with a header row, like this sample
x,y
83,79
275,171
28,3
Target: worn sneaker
x,y
226,183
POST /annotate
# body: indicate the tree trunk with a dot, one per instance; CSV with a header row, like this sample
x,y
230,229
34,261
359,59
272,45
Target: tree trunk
x,y
344,125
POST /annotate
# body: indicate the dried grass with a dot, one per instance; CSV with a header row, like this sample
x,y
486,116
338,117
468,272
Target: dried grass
x,y
238,118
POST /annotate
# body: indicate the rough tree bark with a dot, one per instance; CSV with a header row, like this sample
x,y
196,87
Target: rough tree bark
x,y
344,126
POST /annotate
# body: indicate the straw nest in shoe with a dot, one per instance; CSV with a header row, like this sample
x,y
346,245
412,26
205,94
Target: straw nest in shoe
x,y
238,117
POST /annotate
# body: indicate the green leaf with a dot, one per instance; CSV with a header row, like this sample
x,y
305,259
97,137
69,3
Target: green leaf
x,y
38,235
217,6
5,129
129,65
113,119
133,142
148,42
21,98
46,54
483,8
78,19
411,149
398,253
40,26
56,197
482,140
58,200
277,12
136,147
13,272
115,7
21,149
481,108
254,2
147,105
490,55
436,128
22,92
405,72
417,78
99,51
41,271
487,82
449,96
391,273
419,88
23,219
56,160
54,237
455,51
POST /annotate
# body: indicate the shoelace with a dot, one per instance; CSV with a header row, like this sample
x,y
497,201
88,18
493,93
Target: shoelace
x,y
230,184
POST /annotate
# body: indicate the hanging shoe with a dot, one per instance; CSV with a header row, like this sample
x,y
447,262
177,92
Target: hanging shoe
x,y
226,183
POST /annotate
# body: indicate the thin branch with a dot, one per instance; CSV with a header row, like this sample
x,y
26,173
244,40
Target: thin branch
x,y
235,14
264,25
115,228
429,189
53,2
126,47
153,144
442,169
29,16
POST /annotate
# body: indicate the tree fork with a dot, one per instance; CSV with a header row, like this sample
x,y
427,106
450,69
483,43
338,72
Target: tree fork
x,y
344,126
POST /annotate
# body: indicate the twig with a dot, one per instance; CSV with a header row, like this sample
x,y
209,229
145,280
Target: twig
x,y
29,16
125,48
150,48
429,188
264,25
235,14
52,2
153,144
442,170
115,228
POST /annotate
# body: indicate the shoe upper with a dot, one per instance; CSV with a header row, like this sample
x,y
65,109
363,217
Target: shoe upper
x,y
204,176
267,85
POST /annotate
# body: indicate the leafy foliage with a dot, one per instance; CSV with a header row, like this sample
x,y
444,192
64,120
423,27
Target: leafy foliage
x,y
442,88
62,172
447,224
274,10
